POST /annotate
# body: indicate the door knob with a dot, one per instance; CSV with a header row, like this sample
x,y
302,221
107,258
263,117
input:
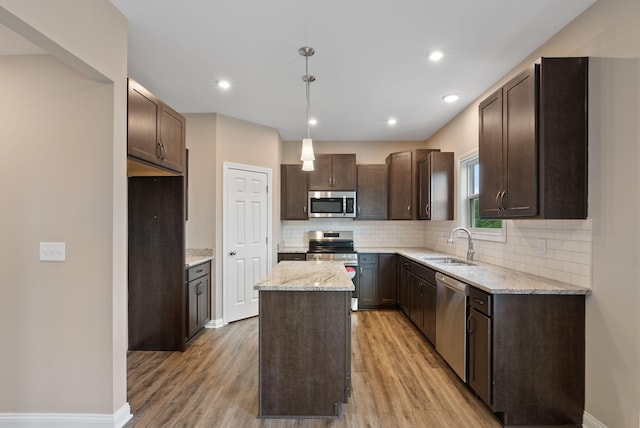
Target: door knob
x,y
232,253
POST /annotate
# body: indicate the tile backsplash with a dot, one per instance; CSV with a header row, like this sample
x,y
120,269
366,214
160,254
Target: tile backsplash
x,y
554,249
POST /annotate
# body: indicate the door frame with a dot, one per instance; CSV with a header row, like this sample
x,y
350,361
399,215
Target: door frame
x,y
226,166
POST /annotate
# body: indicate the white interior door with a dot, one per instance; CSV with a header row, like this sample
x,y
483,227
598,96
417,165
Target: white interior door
x,y
246,228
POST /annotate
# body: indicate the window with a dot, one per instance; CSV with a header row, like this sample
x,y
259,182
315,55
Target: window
x,y
492,230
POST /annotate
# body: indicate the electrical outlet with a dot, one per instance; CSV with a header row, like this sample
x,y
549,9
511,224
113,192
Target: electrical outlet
x,y
542,246
52,252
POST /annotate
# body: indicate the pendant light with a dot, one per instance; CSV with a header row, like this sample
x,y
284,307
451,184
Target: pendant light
x,y
307,157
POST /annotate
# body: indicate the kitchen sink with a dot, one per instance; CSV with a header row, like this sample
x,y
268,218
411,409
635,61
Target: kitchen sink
x,y
450,261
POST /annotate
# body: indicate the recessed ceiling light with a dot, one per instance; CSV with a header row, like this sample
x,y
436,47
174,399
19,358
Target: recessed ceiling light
x,y
392,121
224,84
313,121
436,55
451,98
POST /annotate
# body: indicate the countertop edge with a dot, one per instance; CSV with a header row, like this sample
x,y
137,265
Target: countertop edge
x,y
191,261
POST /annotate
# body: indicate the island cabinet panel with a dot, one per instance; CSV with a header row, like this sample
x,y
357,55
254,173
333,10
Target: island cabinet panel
x,y
533,143
526,356
305,353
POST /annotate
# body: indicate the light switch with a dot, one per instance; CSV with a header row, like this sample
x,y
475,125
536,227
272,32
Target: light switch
x,y
52,252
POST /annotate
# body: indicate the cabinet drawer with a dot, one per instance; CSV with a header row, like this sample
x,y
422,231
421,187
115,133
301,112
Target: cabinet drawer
x,y
480,301
198,270
367,258
405,263
424,272
296,257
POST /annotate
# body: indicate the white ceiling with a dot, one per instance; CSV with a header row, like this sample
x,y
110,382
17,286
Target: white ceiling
x,y
370,61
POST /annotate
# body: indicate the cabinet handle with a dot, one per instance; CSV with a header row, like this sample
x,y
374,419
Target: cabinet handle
x,y
498,202
502,200
469,329
408,207
159,150
330,182
426,209
361,271
478,301
304,209
359,210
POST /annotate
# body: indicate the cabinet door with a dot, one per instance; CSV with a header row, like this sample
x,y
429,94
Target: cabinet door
x,y
368,286
479,354
441,175
343,172
204,301
490,155
400,186
142,116
320,178
372,192
193,325
429,308
405,291
416,311
294,193
172,137
387,279
520,147
424,189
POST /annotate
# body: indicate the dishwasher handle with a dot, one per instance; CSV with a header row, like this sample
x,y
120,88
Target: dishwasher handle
x,y
453,284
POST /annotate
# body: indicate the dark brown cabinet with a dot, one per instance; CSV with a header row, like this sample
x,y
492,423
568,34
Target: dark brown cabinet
x,y
423,300
435,182
294,186
533,143
377,280
526,356
300,257
403,183
156,133
304,353
156,270
198,298
404,284
333,172
372,191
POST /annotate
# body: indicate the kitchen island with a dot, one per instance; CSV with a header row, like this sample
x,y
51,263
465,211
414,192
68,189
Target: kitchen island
x,y
304,340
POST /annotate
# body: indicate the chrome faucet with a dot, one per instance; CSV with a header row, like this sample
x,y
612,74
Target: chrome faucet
x,y
470,251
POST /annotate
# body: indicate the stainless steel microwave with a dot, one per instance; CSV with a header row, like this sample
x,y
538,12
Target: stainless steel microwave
x,y
332,204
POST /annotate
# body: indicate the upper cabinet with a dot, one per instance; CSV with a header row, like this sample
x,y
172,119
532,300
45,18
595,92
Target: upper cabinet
x,y
403,183
533,143
293,192
373,184
435,181
156,132
333,172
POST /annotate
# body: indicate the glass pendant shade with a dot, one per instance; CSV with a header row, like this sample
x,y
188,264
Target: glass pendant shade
x,y
307,150
307,165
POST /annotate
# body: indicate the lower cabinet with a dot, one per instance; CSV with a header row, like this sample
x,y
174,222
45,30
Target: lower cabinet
x,y
292,256
377,281
198,298
422,306
526,356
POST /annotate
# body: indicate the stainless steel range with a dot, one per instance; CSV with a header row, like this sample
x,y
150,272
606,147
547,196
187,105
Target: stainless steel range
x,y
336,246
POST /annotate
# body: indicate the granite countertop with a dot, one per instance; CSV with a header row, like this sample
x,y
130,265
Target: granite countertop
x,y
306,276
196,256
484,276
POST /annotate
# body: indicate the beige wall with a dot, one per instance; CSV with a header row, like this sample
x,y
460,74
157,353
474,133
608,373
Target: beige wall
x,y
201,142
374,152
64,132
607,30
242,142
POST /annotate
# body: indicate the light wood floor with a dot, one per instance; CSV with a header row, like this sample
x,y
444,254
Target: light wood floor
x,y
398,380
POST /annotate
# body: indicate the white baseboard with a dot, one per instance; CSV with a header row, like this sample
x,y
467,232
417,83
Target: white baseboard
x,y
66,420
589,421
214,323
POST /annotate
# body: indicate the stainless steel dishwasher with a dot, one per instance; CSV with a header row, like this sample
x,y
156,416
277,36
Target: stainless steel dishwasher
x,y
451,307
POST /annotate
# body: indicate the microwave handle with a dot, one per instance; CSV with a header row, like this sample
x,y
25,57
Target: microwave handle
x,y
344,206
